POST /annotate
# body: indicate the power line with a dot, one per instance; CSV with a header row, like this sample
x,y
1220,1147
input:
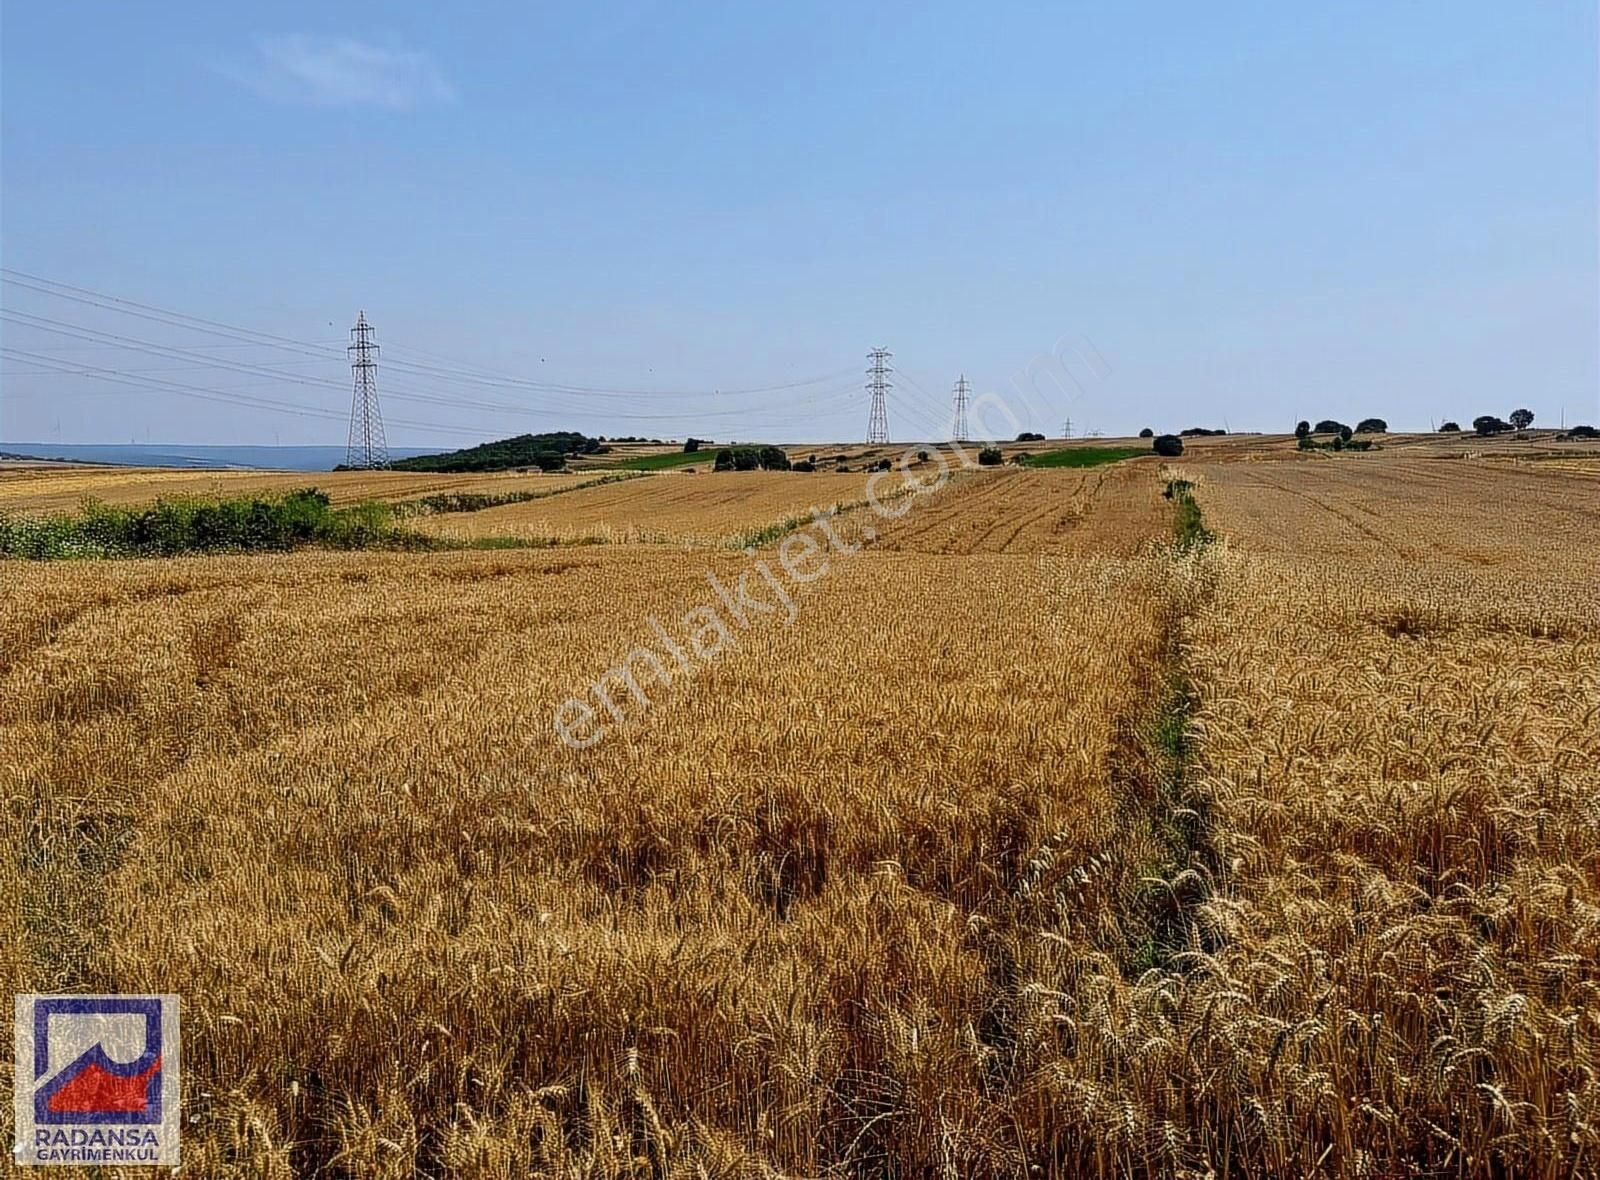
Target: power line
x,y
256,368
201,393
451,370
934,423
554,397
473,376
145,311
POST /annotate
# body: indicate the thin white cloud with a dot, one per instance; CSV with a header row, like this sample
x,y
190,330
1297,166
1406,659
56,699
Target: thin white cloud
x,y
339,71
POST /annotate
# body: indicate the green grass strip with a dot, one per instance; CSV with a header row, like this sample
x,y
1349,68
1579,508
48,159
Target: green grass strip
x,y
1083,456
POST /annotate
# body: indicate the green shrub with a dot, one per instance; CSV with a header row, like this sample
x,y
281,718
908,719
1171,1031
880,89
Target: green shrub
x,y
990,457
1168,446
751,458
548,452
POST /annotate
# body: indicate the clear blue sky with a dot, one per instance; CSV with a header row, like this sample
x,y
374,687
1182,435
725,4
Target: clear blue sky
x,y
1242,212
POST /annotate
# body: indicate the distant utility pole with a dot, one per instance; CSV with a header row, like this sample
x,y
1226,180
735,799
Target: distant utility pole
x,y
1066,429
367,447
960,433
878,387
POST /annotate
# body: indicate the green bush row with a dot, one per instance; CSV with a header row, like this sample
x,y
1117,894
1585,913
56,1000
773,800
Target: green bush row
x,y
243,524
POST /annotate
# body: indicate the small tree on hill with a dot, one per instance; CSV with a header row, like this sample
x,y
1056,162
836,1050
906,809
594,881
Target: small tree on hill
x,y
1522,419
1328,426
1487,424
691,446
990,457
1372,426
1449,428
1168,446
1302,428
1147,433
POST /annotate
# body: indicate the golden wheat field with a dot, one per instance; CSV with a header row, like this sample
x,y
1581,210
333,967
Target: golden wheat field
x,y
700,508
1024,829
38,487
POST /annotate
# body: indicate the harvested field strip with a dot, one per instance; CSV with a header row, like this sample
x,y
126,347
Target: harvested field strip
x,y
700,509
1115,510
32,490
1428,511
449,502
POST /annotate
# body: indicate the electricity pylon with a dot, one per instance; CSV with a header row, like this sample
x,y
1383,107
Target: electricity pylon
x,y
959,431
878,387
367,447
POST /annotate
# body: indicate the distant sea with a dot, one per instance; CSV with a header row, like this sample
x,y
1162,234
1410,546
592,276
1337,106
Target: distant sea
x,y
174,455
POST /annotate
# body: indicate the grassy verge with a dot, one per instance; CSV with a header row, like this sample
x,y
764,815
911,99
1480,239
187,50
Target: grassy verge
x,y
768,533
1083,456
1179,812
1187,528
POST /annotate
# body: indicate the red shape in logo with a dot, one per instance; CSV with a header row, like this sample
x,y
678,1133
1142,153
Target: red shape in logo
x,y
95,1090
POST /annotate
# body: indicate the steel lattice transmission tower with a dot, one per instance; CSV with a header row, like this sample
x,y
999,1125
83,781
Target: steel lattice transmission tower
x,y
959,431
367,447
878,385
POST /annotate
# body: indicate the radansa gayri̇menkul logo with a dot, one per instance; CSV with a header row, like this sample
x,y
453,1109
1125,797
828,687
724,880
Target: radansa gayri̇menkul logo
x,y
97,1080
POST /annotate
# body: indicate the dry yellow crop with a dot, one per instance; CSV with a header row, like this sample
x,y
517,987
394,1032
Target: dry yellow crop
x,y
34,488
701,508
1007,840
